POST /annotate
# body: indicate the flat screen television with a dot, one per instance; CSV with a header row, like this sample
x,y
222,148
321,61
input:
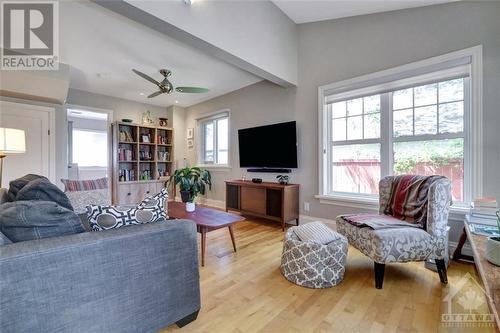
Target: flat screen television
x,y
271,146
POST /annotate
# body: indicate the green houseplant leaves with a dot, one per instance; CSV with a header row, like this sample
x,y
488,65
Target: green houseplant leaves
x,y
191,181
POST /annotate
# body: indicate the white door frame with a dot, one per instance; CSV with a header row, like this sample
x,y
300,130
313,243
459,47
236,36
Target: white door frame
x,y
110,132
52,130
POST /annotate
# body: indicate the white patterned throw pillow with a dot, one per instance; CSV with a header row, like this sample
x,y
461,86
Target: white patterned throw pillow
x,y
316,232
149,210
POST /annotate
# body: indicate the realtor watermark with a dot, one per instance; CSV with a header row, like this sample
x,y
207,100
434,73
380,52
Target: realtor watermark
x,y
30,35
466,305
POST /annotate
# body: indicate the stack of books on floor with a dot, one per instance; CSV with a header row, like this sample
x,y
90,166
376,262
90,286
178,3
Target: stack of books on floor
x,y
482,218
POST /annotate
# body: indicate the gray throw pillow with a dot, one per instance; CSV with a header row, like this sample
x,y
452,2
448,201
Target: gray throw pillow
x,y
110,217
28,220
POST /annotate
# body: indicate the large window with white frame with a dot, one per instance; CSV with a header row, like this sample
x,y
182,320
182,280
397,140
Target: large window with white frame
x,y
426,136
215,139
420,124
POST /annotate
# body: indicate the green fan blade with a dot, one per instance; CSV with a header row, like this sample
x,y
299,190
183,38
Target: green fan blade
x,y
192,90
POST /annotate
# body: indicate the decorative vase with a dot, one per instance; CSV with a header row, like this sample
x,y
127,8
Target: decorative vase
x,y
190,207
493,250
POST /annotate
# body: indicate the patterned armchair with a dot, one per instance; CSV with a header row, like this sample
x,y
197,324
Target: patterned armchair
x,y
387,237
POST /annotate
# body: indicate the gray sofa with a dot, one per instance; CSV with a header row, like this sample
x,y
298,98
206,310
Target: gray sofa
x,y
134,279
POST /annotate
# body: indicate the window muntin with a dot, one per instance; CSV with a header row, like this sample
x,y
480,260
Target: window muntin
x,y
215,145
425,125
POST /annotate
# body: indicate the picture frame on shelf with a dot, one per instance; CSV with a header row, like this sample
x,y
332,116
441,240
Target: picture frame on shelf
x,y
145,139
190,133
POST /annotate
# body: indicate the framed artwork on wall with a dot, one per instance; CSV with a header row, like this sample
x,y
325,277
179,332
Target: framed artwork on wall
x,y
190,143
190,133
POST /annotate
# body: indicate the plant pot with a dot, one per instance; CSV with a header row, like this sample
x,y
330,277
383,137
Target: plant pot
x,y
185,196
493,250
190,207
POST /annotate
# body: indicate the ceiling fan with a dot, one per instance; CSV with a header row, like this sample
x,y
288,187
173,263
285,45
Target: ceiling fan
x,y
166,86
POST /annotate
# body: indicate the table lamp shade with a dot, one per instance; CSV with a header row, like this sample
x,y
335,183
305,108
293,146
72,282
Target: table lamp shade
x,y
12,141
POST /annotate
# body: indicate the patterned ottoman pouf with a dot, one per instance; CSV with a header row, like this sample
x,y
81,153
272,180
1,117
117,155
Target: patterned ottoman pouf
x,y
310,262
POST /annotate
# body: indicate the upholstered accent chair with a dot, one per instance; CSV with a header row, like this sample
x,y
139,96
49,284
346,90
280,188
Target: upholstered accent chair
x,y
402,241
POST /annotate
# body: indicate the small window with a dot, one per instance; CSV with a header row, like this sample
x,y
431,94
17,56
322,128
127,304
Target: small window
x,y
215,139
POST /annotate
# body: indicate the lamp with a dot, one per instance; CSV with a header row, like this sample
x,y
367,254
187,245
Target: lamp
x,y
12,141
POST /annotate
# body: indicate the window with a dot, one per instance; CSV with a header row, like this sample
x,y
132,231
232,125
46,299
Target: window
x,y
412,124
89,148
215,139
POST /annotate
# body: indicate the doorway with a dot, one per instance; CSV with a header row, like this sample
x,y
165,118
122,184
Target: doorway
x,y
88,142
38,123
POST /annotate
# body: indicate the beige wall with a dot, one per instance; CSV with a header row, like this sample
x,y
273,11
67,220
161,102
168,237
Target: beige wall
x,y
335,50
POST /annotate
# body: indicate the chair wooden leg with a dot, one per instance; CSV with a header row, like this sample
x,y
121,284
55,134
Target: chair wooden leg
x,y
441,268
379,274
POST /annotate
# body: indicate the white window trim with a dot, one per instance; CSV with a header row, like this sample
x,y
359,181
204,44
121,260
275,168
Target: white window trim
x,y
426,69
200,151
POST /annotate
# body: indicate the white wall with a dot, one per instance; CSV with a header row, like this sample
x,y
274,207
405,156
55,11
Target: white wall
x,y
335,50
178,122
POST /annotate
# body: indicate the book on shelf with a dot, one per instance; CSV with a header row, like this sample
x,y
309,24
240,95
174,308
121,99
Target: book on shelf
x,y
126,136
163,156
145,155
126,175
125,155
484,208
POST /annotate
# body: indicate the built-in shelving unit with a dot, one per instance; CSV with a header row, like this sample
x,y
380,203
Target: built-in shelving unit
x,y
142,155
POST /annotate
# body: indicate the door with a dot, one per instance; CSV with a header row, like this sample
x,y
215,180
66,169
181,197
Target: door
x,y
38,124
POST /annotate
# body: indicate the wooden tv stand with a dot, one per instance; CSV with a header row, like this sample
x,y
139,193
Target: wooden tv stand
x,y
271,201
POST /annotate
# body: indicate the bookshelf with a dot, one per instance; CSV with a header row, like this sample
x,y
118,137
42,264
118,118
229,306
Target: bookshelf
x,y
142,156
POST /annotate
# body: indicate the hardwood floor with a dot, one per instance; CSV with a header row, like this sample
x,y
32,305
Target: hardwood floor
x,y
245,291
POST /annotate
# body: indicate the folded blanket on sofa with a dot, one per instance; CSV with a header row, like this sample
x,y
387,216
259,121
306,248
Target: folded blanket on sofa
x,y
34,187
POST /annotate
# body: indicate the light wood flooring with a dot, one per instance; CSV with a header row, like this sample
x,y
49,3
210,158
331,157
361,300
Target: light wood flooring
x,y
245,291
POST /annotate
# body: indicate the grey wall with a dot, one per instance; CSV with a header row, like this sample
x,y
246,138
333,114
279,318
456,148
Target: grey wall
x,y
335,50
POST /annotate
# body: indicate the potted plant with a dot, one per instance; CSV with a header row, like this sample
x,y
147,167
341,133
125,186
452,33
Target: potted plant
x,y
283,179
493,246
191,181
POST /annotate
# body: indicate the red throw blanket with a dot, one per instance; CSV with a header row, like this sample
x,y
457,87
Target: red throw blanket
x,y
409,198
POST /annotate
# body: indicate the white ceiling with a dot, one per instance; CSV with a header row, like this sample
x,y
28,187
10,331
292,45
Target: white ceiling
x,y
303,11
102,47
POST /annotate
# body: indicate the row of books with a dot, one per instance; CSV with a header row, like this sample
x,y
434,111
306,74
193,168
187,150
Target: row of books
x,y
483,211
163,156
145,155
126,175
162,140
125,154
146,175
126,136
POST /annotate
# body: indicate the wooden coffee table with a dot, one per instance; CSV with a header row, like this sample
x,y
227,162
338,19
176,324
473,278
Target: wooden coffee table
x,y
206,219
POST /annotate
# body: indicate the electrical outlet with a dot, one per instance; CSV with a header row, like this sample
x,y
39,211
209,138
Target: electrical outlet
x,y
306,206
